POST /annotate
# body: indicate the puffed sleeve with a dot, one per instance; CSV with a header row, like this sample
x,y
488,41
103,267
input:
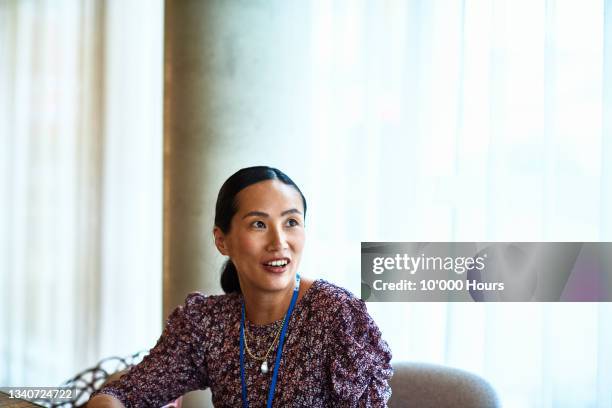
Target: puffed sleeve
x,y
174,366
359,359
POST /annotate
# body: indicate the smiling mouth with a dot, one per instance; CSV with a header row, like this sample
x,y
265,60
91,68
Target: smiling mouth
x,y
277,265
278,262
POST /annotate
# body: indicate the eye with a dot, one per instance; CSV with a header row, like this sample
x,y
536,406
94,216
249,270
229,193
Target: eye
x,y
258,224
292,222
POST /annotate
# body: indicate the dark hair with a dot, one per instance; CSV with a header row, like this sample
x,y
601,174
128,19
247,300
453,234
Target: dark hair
x,y
227,207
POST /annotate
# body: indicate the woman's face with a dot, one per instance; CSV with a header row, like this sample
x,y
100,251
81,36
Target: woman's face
x,y
266,237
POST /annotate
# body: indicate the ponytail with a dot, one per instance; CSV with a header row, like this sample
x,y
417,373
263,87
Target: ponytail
x,y
229,278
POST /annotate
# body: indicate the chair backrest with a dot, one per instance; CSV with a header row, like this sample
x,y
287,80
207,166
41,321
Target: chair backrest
x,y
428,385
92,379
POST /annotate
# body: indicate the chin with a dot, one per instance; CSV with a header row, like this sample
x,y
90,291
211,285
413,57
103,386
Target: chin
x,y
279,281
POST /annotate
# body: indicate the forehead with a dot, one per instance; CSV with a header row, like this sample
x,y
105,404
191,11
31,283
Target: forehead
x,y
270,196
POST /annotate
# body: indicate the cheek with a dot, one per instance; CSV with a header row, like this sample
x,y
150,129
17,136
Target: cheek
x,y
250,245
298,241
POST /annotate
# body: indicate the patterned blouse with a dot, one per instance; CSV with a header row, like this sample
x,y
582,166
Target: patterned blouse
x,y
333,355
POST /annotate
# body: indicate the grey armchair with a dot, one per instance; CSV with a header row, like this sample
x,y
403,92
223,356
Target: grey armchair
x,y
428,385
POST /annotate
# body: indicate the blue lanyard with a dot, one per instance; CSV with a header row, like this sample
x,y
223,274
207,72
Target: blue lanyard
x,y
279,351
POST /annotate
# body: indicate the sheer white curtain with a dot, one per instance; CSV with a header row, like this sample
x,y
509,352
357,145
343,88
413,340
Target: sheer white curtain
x,y
80,182
468,121
430,120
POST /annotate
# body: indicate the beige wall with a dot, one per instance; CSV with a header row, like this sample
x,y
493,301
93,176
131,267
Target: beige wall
x,y
235,89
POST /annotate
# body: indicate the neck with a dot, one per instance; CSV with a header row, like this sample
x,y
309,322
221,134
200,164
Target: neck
x,y
266,307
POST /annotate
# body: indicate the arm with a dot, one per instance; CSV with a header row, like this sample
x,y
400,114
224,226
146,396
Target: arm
x,y
360,359
376,395
172,368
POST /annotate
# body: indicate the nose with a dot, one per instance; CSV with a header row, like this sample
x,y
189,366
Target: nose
x,y
277,240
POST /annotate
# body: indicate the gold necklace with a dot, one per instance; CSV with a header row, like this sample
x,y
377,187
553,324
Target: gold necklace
x,y
264,365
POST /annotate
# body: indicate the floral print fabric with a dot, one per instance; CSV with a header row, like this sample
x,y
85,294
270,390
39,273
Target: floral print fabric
x,y
334,355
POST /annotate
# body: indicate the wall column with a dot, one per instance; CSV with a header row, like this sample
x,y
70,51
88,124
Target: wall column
x,y
236,78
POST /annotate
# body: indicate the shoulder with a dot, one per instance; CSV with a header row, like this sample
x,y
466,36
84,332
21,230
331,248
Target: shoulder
x,y
339,310
199,300
335,299
199,309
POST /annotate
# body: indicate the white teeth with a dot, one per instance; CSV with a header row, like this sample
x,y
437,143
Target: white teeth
x,y
278,263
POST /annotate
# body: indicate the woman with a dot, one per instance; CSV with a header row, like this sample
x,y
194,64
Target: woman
x,y
274,338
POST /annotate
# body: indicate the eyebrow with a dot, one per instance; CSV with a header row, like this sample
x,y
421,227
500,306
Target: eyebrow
x,y
263,214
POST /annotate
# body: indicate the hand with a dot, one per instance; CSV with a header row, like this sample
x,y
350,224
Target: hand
x,y
104,401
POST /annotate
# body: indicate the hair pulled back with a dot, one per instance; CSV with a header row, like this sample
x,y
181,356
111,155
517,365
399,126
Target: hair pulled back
x,y
227,207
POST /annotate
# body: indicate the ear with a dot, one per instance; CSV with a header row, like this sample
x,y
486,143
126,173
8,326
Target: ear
x,y
220,241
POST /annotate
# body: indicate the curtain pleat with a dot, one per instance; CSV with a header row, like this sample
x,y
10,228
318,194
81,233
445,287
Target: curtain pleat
x,y
57,206
415,120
